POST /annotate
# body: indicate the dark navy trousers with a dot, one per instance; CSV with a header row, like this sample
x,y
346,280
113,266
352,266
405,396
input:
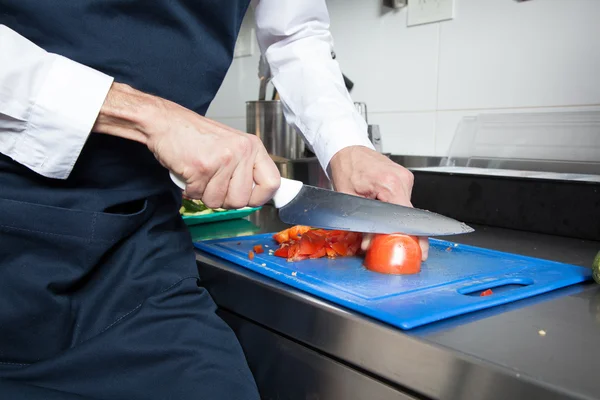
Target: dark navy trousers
x,y
100,296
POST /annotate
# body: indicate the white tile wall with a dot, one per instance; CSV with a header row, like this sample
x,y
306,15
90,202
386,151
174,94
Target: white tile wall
x,y
406,133
394,68
240,85
502,53
418,82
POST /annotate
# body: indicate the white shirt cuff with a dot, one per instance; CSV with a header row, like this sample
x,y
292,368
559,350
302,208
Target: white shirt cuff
x,y
338,134
62,116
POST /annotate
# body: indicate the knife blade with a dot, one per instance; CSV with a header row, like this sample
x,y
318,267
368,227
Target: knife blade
x,y
301,204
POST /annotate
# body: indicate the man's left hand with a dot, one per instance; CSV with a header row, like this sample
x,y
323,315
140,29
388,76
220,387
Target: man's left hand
x,y
361,171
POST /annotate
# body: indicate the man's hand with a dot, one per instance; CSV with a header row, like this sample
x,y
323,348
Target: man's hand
x,y
364,172
218,163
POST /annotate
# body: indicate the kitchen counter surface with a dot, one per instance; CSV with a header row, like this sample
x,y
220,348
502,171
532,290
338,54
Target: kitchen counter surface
x,y
545,347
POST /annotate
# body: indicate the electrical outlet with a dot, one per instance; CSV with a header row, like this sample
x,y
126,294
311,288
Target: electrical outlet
x,y
427,11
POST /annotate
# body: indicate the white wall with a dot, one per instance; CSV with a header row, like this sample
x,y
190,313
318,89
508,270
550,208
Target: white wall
x,y
418,82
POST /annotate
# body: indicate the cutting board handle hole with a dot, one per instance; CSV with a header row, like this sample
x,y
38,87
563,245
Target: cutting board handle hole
x,y
497,287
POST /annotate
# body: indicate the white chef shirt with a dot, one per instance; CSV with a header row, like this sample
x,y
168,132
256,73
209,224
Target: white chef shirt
x,y
48,103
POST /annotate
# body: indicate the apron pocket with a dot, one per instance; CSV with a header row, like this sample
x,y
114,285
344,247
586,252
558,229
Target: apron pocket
x,y
47,257
110,225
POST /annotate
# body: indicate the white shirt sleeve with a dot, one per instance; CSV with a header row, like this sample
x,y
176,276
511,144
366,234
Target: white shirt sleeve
x,y
48,105
294,38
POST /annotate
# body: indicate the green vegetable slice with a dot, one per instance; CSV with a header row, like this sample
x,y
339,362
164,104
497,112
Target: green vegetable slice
x,y
197,207
193,214
191,206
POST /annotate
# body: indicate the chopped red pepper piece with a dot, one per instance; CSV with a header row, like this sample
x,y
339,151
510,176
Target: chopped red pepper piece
x,y
330,252
487,292
302,242
293,233
258,249
251,255
283,252
319,253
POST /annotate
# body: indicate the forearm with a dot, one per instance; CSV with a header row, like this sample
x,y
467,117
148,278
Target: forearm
x,y
126,112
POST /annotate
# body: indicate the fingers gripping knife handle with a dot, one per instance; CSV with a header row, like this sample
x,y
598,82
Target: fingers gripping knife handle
x,y
287,190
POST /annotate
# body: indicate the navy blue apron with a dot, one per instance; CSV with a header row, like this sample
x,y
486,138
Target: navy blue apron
x,y
99,291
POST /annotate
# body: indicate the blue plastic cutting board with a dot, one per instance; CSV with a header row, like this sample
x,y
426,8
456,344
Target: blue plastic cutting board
x,y
449,284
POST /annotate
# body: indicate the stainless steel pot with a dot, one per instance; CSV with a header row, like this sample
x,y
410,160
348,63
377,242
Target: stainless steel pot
x,y
265,119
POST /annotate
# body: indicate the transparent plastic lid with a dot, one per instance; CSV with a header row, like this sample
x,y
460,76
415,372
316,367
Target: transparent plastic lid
x,y
558,142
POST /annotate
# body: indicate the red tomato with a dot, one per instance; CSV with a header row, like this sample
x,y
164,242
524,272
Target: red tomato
x,y
322,252
354,248
353,240
304,242
282,237
316,240
307,247
295,254
335,236
293,233
297,231
258,249
394,254
282,252
318,232
341,248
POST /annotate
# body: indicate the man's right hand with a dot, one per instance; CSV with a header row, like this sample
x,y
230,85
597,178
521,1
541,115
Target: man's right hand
x,y
219,164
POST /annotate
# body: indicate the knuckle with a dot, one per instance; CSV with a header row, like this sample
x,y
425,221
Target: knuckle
x,y
212,203
408,176
236,203
200,166
390,181
227,156
213,199
254,139
245,144
193,192
272,183
237,198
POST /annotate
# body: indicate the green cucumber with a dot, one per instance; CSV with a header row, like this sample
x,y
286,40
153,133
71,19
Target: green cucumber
x,y
193,207
196,207
596,268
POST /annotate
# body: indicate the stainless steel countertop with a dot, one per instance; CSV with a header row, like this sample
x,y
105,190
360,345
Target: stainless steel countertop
x,y
493,354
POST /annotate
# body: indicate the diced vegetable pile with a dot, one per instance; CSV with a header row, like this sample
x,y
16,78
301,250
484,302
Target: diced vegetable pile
x,y
303,242
388,254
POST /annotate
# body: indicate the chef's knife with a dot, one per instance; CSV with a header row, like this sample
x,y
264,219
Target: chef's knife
x,y
301,204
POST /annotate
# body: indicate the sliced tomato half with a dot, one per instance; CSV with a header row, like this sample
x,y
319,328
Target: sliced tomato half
x,y
394,254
